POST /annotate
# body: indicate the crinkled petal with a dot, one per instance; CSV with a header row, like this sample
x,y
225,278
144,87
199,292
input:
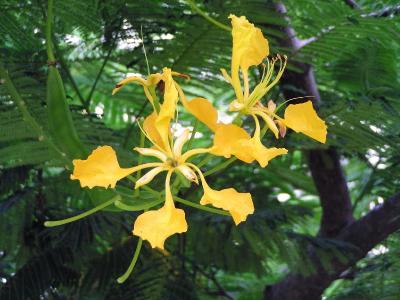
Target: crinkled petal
x,y
250,47
303,118
240,205
253,147
204,111
225,142
101,169
156,226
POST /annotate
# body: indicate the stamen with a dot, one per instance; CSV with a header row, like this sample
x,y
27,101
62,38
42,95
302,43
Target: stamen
x,y
148,137
188,173
192,152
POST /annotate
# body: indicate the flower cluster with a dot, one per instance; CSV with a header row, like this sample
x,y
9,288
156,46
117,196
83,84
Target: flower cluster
x,y
250,48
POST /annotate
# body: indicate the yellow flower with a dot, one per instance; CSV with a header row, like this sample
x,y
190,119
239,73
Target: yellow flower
x,y
157,225
149,84
250,48
102,169
230,139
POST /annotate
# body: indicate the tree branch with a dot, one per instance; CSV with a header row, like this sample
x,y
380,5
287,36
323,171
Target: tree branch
x,y
337,220
385,12
325,165
363,234
353,4
332,189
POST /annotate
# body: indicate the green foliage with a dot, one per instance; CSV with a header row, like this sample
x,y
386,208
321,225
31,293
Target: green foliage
x,y
354,57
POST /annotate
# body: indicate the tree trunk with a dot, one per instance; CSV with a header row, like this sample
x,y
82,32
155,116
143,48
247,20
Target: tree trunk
x,y
337,220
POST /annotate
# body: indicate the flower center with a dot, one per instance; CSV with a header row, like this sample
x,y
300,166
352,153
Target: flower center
x,y
172,162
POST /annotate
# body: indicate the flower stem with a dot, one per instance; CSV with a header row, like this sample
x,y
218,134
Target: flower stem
x,y
127,207
128,272
49,24
202,207
82,215
220,166
196,124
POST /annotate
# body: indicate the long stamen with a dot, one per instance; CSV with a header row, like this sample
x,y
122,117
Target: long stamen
x,y
192,152
148,137
288,100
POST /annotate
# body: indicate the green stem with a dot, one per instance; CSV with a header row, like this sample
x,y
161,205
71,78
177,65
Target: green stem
x,y
195,8
132,264
27,117
183,201
205,160
127,207
202,207
49,24
220,166
189,144
82,215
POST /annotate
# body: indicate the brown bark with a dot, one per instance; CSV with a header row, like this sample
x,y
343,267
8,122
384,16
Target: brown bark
x,y
337,220
363,234
353,4
325,165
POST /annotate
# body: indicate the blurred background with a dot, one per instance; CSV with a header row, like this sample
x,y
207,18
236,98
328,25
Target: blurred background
x,y
350,49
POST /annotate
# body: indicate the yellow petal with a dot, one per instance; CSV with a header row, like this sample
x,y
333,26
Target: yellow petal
x,y
152,152
204,111
101,168
240,205
150,128
120,84
149,176
249,49
225,142
157,225
271,124
303,118
180,141
253,147
168,107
